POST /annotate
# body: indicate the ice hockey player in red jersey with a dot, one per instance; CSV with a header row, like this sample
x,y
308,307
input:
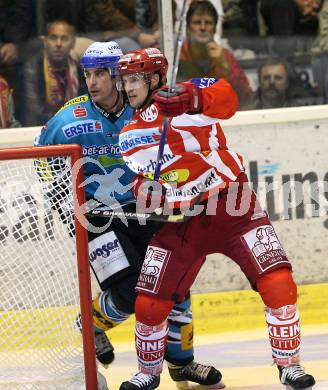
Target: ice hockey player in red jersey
x,y
197,167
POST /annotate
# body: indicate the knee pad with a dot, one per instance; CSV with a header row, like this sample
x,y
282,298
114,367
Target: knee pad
x,y
277,288
181,313
151,310
150,344
105,315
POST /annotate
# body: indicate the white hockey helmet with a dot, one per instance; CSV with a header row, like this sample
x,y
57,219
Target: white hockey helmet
x,y
102,55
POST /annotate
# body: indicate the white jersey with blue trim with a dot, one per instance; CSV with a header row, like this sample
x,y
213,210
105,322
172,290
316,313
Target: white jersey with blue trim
x,y
81,122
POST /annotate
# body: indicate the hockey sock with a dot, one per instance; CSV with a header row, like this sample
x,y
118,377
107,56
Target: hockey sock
x,y
180,349
151,332
150,346
105,314
284,334
279,294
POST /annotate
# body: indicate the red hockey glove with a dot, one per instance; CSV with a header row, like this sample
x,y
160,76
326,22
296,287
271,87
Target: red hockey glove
x,y
185,98
149,194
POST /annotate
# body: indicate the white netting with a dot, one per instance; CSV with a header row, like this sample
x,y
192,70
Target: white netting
x,y
40,343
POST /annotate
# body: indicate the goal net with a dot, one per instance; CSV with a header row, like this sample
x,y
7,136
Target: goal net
x,y
44,273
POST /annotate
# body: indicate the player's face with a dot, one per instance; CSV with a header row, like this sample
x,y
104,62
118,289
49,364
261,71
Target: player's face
x,y
201,28
59,42
136,87
100,85
273,78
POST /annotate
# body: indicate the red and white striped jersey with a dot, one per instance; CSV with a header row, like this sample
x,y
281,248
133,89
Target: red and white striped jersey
x,y
196,158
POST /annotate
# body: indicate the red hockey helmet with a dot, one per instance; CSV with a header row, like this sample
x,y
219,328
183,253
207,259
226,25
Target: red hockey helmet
x,y
149,60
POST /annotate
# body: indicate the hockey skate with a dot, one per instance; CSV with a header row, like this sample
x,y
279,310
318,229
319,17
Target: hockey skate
x,y
202,376
104,349
141,381
294,377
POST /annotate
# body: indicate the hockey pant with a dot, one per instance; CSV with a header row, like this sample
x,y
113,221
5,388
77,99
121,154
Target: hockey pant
x,y
179,349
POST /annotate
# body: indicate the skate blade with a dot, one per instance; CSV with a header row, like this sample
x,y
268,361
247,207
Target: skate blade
x,y
185,385
293,388
102,383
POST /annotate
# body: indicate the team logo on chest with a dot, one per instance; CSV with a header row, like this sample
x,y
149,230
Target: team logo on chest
x,y
83,127
150,114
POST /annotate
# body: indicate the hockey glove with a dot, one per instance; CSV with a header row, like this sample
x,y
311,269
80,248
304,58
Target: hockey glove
x,y
185,98
150,195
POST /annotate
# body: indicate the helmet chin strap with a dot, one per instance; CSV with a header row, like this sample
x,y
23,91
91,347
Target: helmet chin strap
x,y
147,100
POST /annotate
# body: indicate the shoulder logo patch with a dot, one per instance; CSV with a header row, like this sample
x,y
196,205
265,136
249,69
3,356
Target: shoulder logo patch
x,y
79,99
80,112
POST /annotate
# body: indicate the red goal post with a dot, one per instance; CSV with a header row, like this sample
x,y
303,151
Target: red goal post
x,y
20,184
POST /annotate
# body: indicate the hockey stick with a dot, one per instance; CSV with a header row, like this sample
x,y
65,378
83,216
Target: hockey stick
x,y
175,66
96,209
181,217
107,212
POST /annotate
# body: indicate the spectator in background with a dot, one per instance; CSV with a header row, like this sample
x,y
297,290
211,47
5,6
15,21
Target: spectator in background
x,y
25,23
320,55
241,27
286,18
147,21
116,19
240,17
7,117
201,56
321,43
131,22
281,86
50,77
10,59
31,17
146,14
8,48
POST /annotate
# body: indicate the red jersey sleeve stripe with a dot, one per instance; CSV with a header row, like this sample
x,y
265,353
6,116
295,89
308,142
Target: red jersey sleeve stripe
x,y
230,161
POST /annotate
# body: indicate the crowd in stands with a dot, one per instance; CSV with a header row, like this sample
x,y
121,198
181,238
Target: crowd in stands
x,y
273,52
51,76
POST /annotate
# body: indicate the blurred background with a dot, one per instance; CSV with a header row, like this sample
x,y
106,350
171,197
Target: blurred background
x,y
274,52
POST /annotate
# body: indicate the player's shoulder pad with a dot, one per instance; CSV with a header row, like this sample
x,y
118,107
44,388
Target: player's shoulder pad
x,y
204,82
48,132
72,110
79,100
